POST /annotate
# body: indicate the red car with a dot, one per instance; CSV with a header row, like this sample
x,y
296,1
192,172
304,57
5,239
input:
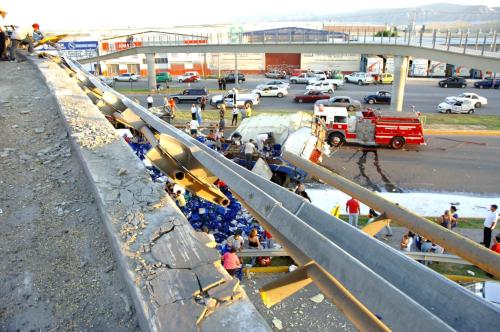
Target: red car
x,y
311,97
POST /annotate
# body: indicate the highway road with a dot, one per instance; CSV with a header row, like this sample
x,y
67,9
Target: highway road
x,y
423,93
467,164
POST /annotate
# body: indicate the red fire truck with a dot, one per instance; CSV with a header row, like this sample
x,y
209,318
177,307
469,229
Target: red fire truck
x,y
371,127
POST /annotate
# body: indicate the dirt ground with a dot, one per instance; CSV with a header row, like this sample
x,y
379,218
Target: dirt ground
x,y
57,272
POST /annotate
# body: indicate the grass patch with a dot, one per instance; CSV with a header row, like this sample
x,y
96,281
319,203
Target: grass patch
x,y
468,223
458,269
490,122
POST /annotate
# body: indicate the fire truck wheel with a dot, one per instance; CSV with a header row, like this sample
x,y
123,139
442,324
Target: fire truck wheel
x,y
397,143
470,112
335,139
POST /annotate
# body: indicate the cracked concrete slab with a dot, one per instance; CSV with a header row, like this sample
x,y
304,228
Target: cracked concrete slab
x,y
171,285
180,249
145,228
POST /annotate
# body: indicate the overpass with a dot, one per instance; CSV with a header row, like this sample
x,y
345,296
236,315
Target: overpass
x,y
478,52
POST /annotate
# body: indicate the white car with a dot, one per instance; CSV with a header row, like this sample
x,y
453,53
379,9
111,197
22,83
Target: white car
x,y
322,86
477,100
359,78
126,78
459,105
335,81
271,91
281,84
190,76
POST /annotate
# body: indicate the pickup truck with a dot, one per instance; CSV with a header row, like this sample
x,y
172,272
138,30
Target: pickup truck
x,y
334,81
242,99
302,79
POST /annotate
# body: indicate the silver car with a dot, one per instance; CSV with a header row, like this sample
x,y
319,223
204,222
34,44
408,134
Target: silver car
x,y
341,101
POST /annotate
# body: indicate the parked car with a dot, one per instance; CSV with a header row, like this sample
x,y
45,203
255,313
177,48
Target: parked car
x,y
460,105
189,77
453,82
107,80
275,74
311,97
341,101
163,77
359,78
476,99
126,78
276,83
379,97
271,91
302,79
385,78
322,86
190,95
230,78
318,74
488,83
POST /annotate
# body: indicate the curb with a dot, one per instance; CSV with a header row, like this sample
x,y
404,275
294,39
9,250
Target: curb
x,y
462,132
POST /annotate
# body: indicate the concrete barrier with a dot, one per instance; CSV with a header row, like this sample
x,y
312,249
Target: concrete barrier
x,y
176,281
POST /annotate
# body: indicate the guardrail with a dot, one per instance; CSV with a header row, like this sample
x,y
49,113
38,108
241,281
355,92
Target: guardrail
x,y
363,280
416,255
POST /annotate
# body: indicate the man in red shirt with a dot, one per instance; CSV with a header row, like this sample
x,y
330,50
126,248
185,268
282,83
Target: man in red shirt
x,y
496,244
352,208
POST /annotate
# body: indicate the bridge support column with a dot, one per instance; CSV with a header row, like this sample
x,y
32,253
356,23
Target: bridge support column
x,y
150,61
398,86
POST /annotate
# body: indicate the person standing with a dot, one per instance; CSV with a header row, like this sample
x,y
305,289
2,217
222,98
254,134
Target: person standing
x,y
194,111
234,120
180,200
193,127
248,109
222,114
372,215
219,81
149,100
353,209
489,225
172,106
3,37
203,103
198,114
249,149
223,80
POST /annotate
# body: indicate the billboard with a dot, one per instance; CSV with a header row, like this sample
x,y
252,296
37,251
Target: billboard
x,y
78,45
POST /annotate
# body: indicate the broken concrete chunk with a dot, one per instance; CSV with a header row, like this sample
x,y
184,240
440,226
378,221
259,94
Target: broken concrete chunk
x,y
225,291
122,171
318,298
277,323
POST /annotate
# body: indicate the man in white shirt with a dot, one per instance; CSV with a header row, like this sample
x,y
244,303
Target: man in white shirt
x,y
193,127
249,149
149,100
489,225
23,35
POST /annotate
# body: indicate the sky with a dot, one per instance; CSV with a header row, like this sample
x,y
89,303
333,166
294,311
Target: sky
x,y
89,14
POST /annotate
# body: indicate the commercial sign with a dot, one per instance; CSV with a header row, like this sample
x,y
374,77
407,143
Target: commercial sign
x,y
78,45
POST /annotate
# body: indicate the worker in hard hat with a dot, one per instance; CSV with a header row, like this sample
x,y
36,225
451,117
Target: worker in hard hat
x,y
24,35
